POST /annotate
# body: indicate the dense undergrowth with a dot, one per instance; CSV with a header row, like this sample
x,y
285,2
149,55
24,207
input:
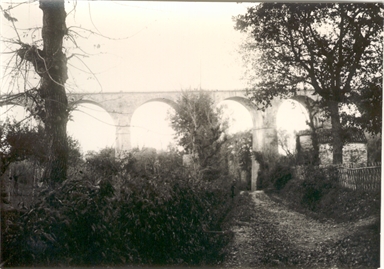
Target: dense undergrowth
x,y
138,213
318,195
360,249
316,191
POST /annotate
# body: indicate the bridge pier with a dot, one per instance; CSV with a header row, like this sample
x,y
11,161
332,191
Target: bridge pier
x,y
123,140
123,134
264,138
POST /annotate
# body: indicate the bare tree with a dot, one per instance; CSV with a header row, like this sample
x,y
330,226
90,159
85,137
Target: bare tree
x,y
50,102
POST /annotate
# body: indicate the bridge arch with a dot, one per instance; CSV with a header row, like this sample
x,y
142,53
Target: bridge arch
x,y
149,126
92,125
309,105
121,106
167,101
264,134
255,115
72,106
291,117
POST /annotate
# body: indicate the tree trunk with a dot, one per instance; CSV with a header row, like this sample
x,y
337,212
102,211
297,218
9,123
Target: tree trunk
x,y
54,76
333,107
315,158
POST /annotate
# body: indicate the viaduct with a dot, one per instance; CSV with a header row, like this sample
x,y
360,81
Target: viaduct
x,y
122,105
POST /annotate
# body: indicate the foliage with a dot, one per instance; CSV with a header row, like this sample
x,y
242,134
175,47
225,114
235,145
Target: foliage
x,y
23,156
283,138
369,104
330,49
238,148
317,183
199,130
180,212
241,146
321,194
129,216
103,163
65,225
21,141
274,171
347,205
74,152
18,142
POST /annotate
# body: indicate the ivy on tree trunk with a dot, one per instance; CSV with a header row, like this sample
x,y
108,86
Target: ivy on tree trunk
x,y
52,90
333,108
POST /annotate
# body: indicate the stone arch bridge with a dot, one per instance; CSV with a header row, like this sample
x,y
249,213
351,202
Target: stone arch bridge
x,y
122,105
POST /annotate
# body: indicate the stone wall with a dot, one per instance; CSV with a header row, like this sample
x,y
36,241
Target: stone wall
x,y
353,153
326,154
356,154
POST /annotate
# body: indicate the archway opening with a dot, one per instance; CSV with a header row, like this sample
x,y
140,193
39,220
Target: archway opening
x,y
92,127
238,146
238,117
151,127
290,119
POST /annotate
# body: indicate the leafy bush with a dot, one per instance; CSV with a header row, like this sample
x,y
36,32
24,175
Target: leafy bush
x,y
103,163
155,213
237,151
120,218
320,195
275,171
318,182
71,224
281,175
344,204
20,141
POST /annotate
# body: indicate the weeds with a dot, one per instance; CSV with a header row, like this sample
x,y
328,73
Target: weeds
x,y
132,215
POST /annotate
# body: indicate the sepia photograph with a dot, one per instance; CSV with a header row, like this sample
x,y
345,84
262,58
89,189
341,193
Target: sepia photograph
x,y
181,134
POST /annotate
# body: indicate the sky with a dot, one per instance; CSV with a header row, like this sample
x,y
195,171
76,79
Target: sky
x,y
141,46
146,46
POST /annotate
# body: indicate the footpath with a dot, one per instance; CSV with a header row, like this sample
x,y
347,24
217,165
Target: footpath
x,y
268,234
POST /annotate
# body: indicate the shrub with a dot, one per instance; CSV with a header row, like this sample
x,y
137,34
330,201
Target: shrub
x,y
317,183
348,205
320,195
87,220
166,221
275,171
72,224
281,175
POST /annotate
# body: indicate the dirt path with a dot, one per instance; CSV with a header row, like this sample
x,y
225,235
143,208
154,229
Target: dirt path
x,y
267,233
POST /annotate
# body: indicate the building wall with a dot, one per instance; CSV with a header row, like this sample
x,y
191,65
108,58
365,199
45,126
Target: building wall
x,y
353,153
326,154
305,142
356,154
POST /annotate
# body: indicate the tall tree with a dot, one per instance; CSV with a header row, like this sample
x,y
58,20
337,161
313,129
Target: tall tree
x,y
50,64
199,129
330,49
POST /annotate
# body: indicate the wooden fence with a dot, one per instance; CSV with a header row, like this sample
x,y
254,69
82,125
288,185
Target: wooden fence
x,y
366,178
